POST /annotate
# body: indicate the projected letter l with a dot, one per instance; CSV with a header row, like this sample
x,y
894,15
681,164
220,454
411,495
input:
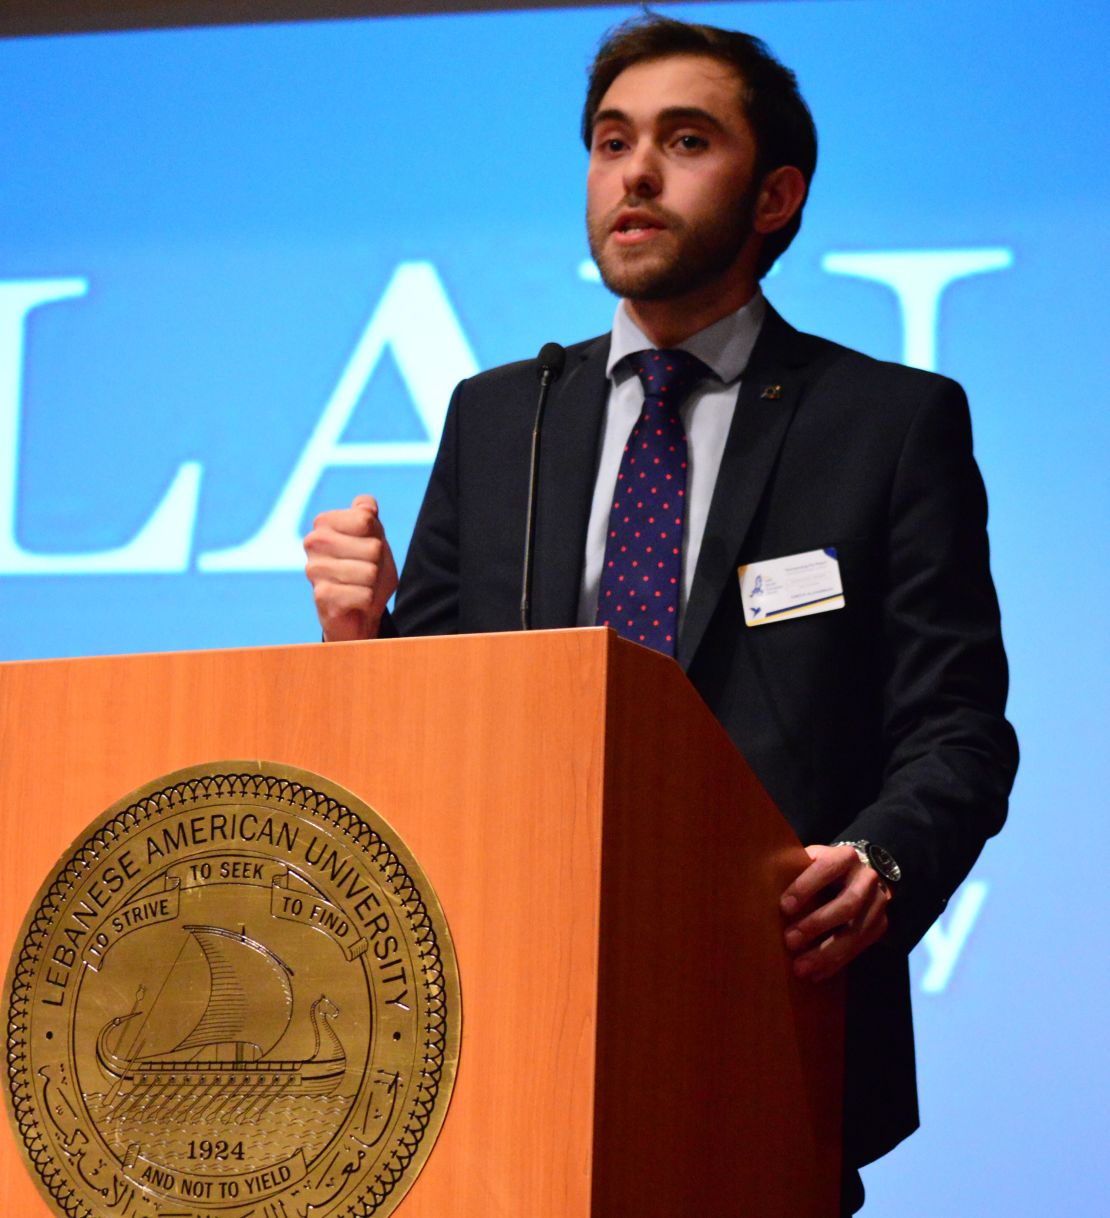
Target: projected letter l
x,y
162,544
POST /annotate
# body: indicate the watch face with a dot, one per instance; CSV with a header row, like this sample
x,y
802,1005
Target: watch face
x,y
883,862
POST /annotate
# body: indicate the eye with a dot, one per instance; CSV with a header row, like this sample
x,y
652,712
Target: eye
x,y
610,144
692,143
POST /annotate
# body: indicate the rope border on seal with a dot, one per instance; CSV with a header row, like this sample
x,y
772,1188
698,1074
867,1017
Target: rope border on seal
x,y
170,799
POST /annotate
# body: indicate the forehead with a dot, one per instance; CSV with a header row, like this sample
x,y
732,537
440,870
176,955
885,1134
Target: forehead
x,y
677,82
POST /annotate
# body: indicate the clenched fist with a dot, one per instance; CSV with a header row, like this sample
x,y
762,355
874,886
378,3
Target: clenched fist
x,y
351,569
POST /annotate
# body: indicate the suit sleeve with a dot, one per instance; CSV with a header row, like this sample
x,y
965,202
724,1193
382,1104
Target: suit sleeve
x,y
428,593
950,754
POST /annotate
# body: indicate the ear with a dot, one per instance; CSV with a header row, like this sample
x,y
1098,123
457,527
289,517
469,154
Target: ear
x,y
781,193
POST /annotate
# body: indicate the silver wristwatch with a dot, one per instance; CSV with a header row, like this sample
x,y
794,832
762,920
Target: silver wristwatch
x,y
876,857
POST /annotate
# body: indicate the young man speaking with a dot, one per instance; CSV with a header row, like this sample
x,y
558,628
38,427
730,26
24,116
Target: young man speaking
x,y
705,437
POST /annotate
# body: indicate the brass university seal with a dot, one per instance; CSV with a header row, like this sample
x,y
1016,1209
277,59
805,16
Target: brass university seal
x,y
235,997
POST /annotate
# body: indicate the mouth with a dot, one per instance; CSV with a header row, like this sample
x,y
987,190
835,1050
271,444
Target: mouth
x,y
631,227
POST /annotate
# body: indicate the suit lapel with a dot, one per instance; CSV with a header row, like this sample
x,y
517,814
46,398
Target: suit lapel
x,y
769,393
568,466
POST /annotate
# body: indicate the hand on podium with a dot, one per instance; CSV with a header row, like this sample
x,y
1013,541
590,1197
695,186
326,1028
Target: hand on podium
x,y
834,910
351,569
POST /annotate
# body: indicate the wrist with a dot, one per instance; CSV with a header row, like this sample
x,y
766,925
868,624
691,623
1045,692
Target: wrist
x,y
878,858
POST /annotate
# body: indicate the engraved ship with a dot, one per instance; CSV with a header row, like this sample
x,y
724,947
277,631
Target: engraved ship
x,y
249,1009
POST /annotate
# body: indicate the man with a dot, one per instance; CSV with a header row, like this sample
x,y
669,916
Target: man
x,y
875,717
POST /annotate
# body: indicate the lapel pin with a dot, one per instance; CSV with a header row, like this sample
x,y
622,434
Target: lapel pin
x,y
771,393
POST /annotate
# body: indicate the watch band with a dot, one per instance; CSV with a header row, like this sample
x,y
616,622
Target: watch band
x,y
878,858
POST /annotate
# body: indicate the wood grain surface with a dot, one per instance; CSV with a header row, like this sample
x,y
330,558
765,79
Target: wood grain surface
x,y
494,757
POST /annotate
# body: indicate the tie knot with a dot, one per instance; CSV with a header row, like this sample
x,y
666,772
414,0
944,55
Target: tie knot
x,y
668,374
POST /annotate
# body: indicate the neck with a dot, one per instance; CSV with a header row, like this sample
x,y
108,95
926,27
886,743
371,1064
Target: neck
x,y
670,322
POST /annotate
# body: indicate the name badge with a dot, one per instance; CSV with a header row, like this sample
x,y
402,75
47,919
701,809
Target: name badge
x,y
794,586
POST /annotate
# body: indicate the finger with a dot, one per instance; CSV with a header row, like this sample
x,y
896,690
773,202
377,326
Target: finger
x,y
843,945
829,864
352,521
330,543
848,904
873,922
827,958
368,505
358,572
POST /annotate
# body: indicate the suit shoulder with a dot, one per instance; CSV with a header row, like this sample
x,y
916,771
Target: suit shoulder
x,y
836,365
524,372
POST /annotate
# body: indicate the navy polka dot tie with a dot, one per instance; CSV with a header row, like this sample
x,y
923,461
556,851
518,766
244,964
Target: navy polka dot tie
x,y
641,575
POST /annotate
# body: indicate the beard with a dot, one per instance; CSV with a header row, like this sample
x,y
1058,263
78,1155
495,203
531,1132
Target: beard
x,y
692,257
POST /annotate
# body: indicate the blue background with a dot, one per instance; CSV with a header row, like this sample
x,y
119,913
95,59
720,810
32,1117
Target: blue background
x,y
238,200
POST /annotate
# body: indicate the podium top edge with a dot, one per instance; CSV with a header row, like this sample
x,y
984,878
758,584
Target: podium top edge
x,y
595,635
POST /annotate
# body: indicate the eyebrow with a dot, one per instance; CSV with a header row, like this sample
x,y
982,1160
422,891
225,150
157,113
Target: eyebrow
x,y
669,115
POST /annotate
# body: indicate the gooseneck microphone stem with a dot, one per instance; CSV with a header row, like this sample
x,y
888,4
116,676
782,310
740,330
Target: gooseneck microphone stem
x,y
549,367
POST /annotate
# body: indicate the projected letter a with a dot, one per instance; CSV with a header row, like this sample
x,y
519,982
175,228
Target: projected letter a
x,y
415,319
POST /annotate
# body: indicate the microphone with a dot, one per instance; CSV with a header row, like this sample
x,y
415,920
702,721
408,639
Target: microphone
x,y
549,367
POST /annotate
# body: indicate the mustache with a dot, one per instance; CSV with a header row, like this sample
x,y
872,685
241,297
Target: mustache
x,y
660,215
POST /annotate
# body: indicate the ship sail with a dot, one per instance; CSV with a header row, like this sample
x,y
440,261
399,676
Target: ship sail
x,y
251,1000
249,1008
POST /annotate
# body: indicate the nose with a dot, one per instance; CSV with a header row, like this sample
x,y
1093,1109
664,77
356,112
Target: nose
x,y
643,172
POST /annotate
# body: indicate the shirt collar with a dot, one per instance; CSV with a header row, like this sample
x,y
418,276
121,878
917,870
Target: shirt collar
x,y
726,345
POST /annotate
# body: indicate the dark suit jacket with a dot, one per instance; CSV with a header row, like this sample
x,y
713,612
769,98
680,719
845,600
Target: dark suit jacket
x,y
882,720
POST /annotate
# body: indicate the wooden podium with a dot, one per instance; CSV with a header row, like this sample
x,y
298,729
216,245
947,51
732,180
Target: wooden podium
x,y
633,1041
